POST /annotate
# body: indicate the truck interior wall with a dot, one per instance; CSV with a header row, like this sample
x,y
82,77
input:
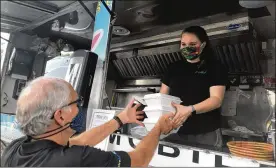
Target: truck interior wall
x,y
269,61
256,107
110,85
253,108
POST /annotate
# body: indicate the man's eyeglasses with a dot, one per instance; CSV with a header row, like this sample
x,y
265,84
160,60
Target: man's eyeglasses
x,y
79,103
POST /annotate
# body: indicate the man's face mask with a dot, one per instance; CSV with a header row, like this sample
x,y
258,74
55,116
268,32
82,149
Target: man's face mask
x,y
77,124
192,52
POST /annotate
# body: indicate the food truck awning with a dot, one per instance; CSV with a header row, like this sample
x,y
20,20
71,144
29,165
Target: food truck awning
x,y
48,18
137,17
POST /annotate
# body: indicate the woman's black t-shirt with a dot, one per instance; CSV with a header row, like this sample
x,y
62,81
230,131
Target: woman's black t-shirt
x,y
191,83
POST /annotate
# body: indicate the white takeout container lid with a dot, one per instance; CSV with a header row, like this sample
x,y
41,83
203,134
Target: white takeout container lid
x,y
159,108
156,96
139,100
160,95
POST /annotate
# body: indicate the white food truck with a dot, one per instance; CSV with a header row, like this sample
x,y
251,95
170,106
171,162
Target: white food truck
x,y
111,51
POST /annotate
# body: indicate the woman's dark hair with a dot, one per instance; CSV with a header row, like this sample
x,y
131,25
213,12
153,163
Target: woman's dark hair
x,y
207,53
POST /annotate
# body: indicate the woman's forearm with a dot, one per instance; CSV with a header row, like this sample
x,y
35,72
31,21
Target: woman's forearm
x,y
207,105
95,135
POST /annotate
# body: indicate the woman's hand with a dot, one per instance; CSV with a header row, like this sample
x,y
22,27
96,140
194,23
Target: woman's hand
x,y
165,123
130,114
182,113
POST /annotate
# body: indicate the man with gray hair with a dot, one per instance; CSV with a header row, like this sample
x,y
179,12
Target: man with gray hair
x,y
48,114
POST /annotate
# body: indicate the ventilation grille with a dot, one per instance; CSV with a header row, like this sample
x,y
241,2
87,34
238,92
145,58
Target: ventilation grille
x,y
240,58
146,66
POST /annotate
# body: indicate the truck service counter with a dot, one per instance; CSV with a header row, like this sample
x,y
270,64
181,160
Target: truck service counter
x,y
166,155
175,155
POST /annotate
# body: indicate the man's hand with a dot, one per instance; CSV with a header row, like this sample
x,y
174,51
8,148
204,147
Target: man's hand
x,y
144,151
182,113
165,123
130,114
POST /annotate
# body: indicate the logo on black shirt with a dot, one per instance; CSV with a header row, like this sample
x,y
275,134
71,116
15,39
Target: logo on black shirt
x,y
201,72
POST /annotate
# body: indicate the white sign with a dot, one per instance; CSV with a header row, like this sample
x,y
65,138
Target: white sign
x,y
100,117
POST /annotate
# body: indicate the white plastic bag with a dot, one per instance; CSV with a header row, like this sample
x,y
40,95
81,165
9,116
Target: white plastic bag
x,y
139,131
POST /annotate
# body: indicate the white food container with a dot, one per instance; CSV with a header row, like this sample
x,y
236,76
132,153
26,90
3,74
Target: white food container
x,y
161,100
139,132
156,105
154,113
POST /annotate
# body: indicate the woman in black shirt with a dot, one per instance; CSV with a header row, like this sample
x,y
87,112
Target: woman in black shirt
x,y
200,82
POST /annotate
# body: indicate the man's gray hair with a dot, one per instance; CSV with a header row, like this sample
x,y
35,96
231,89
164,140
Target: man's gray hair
x,y
37,103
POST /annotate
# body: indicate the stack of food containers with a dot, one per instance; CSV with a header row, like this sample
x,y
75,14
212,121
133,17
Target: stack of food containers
x,y
156,105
